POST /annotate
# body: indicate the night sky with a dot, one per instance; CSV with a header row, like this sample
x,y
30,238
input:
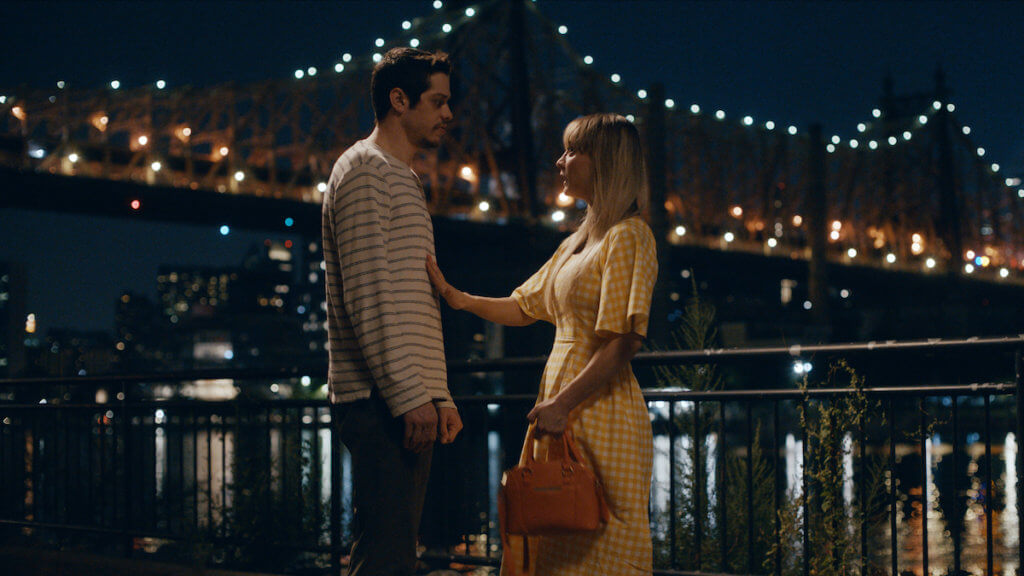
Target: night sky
x,y
791,62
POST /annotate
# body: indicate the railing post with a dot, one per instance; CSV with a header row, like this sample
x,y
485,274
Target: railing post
x,y
776,488
958,522
925,468
805,503
988,485
893,550
698,490
750,488
126,434
672,507
723,492
335,493
1019,367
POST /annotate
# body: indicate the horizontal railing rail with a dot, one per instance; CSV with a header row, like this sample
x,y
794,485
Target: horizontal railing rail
x,y
137,468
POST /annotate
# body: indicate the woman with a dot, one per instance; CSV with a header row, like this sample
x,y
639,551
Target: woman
x,y
596,290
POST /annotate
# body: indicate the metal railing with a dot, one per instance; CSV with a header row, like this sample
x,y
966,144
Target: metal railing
x,y
101,458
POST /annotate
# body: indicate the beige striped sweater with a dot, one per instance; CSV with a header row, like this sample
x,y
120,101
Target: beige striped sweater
x,y
383,320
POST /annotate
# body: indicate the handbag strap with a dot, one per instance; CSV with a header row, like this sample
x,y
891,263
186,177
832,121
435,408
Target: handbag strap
x,y
566,447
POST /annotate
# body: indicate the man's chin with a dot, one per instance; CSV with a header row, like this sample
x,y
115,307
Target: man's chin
x,y
429,144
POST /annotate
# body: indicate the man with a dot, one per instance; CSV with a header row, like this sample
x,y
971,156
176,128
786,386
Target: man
x,y
387,373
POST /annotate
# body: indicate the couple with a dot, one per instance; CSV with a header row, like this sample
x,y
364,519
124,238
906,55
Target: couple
x,y
387,376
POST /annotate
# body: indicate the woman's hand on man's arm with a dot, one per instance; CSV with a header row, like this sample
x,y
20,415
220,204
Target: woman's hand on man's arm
x,y
505,311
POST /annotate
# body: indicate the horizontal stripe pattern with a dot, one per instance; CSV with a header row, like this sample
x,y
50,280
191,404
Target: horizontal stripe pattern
x,y
383,324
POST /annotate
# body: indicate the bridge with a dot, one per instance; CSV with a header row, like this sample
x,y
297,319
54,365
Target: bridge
x,y
912,191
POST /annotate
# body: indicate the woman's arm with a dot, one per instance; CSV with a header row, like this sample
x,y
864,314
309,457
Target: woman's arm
x,y
504,311
611,357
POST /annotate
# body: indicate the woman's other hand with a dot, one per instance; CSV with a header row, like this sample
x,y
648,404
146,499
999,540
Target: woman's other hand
x,y
549,416
453,297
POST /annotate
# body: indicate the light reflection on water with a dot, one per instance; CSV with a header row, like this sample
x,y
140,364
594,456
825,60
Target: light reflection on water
x,y
214,459
217,454
909,529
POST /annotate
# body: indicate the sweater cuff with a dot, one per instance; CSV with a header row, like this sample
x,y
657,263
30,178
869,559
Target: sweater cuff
x,y
407,403
444,403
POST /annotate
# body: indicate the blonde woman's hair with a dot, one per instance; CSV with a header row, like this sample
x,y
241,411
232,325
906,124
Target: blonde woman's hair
x,y
620,184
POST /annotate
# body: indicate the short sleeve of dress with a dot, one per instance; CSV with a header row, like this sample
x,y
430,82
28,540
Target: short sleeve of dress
x,y
530,295
628,272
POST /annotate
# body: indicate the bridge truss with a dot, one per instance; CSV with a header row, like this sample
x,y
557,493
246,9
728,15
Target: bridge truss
x,y
912,191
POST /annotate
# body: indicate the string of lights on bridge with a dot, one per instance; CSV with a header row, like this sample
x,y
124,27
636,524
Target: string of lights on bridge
x,y
558,215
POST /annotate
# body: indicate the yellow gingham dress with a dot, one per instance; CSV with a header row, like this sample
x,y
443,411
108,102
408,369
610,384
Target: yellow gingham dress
x,y
612,296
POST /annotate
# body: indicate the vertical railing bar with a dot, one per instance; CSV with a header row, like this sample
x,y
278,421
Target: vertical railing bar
x,y
28,468
723,530
673,437
3,466
90,477
53,431
487,459
269,495
750,487
777,486
41,466
109,447
38,468
181,470
195,467
153,519
48,474
66,476
925,468
103,466
45,471
126,428
283,450
958,519
318,472
209,473
862,497
893,551
988,484
446,498
1019,369
698,497
805,496
221,527
335,492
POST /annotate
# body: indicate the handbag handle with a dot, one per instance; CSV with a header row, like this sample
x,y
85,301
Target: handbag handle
x,y
569,450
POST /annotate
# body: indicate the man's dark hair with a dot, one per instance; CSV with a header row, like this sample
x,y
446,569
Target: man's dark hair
x,y
406,68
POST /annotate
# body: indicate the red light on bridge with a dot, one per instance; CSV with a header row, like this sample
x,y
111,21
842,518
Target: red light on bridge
x,y
136,204
287,243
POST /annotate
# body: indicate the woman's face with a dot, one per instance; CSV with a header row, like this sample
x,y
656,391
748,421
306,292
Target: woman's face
x,y
577,172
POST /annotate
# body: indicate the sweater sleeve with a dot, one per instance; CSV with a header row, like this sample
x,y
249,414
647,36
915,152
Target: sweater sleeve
x,y
360,208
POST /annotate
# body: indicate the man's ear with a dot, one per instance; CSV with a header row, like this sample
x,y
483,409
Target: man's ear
x,y
399,100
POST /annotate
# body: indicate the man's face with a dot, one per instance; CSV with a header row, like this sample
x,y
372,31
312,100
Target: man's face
x,y
426,123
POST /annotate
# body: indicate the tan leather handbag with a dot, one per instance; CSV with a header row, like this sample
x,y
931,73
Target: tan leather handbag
x,y
554,497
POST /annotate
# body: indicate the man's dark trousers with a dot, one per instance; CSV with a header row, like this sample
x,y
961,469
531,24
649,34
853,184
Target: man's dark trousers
x,y
389,484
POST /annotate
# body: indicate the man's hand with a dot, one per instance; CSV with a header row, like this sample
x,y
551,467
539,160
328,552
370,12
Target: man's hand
x,y
420,427
449,424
